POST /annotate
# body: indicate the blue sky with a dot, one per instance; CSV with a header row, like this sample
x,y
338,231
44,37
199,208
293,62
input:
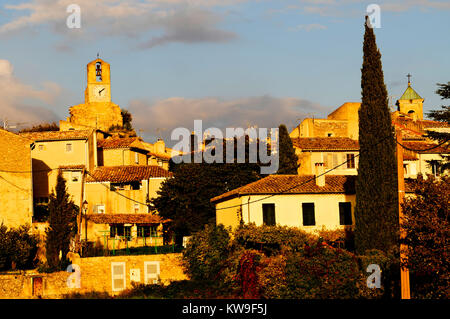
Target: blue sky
x,y
230,63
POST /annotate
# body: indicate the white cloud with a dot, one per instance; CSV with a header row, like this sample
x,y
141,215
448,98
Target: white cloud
x,y
263,111
187,21
16,96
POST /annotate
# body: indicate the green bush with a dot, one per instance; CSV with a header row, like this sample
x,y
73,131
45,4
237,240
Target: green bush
x,y
271,239
17,248
207,253
321,272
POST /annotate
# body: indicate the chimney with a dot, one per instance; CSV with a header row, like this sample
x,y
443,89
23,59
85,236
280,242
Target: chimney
x,y
320,176
160,146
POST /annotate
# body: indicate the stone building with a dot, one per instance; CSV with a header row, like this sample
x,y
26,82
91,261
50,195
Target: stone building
x,y
334,140
16,186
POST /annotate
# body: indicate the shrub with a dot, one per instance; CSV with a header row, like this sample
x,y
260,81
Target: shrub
x,y
271,239
17,248
321,272
272,277
379,258
207,252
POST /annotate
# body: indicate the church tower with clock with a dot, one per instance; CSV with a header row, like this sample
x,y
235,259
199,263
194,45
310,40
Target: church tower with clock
x,y
97,111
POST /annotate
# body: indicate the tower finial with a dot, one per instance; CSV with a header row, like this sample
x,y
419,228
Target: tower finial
x,y
409,79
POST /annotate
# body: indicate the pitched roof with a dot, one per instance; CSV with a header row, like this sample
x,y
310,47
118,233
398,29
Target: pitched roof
x,y
72,167
326,143
410,94
125,142
126,219
126,173
57,135
294,184
427,147
160,155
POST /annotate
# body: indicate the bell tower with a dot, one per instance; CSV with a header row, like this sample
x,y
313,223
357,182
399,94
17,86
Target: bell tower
x,y
410,102
98,82
97,111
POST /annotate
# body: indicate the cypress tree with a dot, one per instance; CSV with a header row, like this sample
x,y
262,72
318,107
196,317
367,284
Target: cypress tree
x,y
288,161
62,224
376,224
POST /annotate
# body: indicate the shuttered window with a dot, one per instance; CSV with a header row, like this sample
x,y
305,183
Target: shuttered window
x,y
118,276
151,272
309,218
345,213
269,214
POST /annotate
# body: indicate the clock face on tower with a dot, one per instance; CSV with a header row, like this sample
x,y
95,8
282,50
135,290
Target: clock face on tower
x,y
100,93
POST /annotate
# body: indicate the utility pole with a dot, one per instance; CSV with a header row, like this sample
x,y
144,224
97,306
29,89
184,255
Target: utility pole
x,y
404,272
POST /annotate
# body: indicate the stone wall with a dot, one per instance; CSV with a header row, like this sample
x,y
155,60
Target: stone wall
x,y
95,274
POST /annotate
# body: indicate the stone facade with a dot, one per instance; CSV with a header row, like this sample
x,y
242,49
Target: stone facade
x,y
95,276
16,187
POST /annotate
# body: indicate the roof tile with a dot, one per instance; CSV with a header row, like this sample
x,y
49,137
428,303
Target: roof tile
x,y
325,143
126,173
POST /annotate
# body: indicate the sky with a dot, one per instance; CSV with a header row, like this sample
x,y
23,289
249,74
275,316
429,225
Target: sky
x,y
230,63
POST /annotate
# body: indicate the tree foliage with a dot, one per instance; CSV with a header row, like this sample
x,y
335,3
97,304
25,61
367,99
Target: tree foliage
x,y
207,252
376,225
62,224
41,128
427,226
185,198
442,115
17,248
288,161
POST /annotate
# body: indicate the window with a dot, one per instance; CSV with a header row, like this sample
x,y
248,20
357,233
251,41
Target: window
x,y
345,213
146,231
330,160
151,272
329,134
41,147
269,214
350,160
99,209
68,147
308,214
136,158
120,230
136,208
118,275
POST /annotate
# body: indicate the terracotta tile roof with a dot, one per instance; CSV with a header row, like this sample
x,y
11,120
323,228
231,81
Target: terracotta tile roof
x,y
294,184
425,147
126,219
434,124
409,156
127,173
57,135
125,142
72,167
326,143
